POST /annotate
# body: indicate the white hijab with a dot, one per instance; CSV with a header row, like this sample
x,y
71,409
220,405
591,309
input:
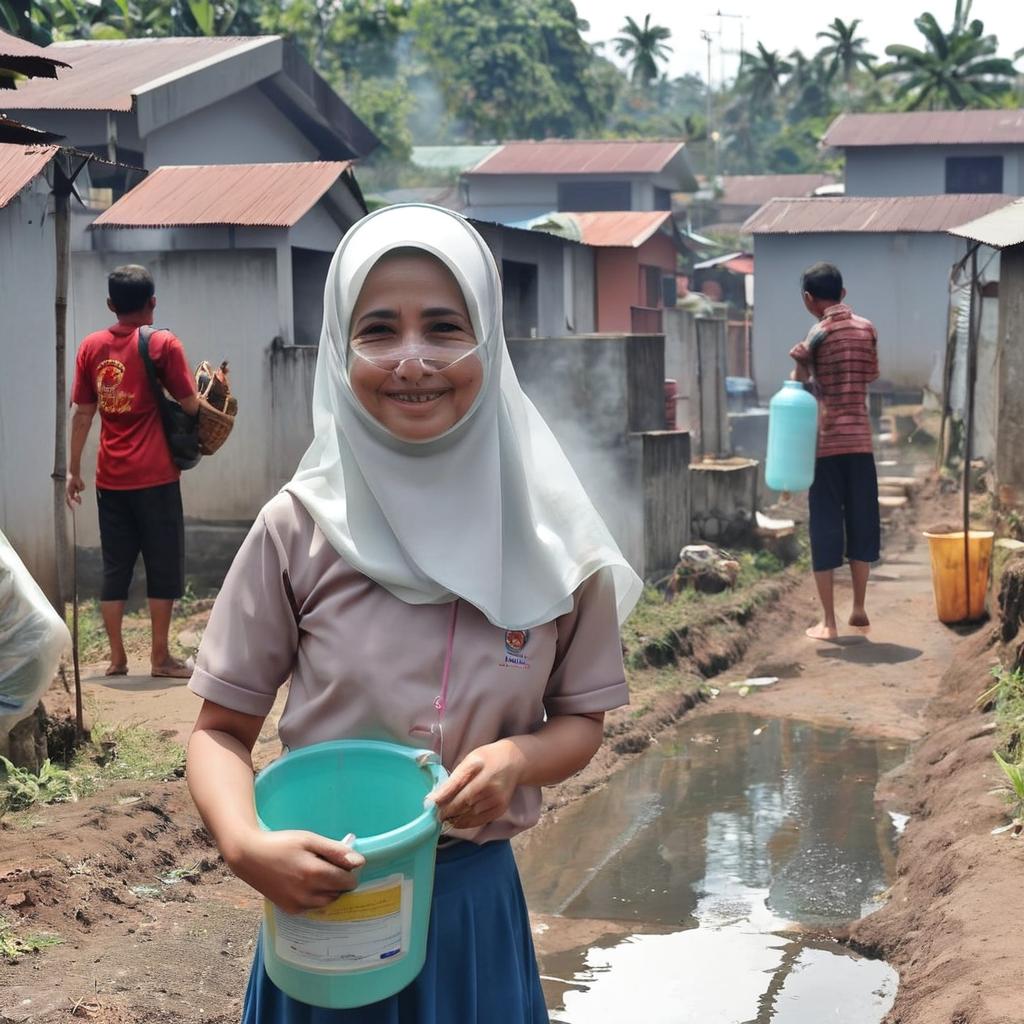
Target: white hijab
x,y
490,511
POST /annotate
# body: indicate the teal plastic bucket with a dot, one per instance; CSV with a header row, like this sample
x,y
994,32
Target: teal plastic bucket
x,y
371,942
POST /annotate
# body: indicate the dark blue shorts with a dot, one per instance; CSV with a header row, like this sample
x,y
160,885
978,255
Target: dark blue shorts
x,y
844,511
147,520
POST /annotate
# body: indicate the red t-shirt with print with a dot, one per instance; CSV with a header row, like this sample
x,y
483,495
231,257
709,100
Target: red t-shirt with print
x,y
110,374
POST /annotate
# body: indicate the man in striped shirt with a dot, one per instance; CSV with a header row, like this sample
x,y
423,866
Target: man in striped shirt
x,y
838,360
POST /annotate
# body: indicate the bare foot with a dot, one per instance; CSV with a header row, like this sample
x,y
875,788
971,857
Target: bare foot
x,y
116,670
173,669
822,632
860,622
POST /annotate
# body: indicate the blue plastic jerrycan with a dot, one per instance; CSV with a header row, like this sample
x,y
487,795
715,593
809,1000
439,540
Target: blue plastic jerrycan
x,y
792,438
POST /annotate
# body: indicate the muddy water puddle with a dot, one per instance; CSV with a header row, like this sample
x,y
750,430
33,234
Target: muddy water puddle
x,y
700,873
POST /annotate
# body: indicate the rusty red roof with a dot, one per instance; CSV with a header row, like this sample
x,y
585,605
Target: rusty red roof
x,y
579,156
870,214
243,195
26,59
625,229
19,165
755,189
927,128
107,74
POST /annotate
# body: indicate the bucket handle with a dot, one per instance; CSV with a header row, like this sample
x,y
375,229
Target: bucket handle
x,y
429,761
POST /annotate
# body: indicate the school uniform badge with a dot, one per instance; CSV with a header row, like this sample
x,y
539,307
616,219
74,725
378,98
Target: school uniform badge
x,y
515,647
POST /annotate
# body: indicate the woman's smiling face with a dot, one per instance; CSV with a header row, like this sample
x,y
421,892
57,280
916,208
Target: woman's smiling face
x,y
412,361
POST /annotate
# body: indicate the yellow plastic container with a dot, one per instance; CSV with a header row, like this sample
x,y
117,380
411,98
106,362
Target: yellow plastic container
x,y
948,578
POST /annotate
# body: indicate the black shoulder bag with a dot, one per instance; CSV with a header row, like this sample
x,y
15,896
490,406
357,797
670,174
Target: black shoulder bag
x,y
181,429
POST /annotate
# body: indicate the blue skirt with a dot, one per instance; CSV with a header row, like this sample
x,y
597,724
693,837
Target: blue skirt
x,y
480,966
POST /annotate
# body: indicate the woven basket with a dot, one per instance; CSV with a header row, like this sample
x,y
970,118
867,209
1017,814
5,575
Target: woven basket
x,y
214,424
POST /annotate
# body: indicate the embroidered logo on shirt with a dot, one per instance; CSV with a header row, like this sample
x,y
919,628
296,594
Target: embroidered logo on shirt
x,y
108,379
515,646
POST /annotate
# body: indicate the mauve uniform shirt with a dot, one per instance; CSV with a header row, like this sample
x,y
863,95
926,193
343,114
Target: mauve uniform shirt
x,y
364,664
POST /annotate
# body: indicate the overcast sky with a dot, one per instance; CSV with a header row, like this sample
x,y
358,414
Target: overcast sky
x,y
783,25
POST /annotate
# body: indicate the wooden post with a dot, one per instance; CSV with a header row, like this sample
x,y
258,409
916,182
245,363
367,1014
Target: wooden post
x,y
62,234
973,325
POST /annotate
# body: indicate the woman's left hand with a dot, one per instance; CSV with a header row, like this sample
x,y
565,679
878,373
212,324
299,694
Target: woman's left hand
x,y
480,788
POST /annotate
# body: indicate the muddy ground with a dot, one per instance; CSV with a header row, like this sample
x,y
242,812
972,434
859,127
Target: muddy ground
x,y
154,929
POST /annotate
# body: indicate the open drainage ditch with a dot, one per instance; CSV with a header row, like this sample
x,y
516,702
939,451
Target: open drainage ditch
x,y
704,873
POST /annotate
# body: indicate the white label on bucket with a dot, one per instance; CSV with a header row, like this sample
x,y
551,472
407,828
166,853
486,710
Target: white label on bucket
x,y
367,927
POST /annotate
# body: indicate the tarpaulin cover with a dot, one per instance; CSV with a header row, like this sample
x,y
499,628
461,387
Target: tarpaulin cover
x,y
32,639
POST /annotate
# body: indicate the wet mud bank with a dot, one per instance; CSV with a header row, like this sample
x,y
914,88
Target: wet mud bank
x,y
951,922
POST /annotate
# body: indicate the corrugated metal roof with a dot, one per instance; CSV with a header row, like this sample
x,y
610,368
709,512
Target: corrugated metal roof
x,y
19,134
13,46
927,128
871,214
1000,228
18,166
243,195
450,157
26,59
755,189
578,156
625,229
106,74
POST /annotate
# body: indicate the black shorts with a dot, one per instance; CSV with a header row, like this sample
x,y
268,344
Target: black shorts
x,y
148,520
844,511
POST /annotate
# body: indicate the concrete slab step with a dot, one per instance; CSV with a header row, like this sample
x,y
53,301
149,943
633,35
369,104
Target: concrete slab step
x,y
887,505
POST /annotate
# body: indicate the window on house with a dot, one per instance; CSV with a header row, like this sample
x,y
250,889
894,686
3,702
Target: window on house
x,y
974,174
585,196
662,199
650,285
520,299
309,275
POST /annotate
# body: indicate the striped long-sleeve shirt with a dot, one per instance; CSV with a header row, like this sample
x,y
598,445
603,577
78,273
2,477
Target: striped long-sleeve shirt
x,y
841,353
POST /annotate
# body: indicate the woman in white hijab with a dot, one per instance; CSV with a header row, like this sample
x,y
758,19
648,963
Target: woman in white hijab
x,y
435,575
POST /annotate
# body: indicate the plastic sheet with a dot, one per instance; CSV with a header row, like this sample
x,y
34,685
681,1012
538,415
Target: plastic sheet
x,y
32,639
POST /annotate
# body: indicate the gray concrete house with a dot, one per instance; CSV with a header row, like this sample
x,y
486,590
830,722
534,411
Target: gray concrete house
x,y
523,180
895,255
226,100
922,153
27,407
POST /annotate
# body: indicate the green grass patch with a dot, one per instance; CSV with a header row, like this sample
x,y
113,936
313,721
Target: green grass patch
x,y
13,947
118,752
113,753
1006,698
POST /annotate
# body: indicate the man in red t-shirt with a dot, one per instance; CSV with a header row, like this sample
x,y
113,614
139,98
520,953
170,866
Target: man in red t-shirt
x,y
137,489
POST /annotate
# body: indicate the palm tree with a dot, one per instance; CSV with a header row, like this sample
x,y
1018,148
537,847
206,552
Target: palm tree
x,y
958,69
761,75
644,47
808,88
845,51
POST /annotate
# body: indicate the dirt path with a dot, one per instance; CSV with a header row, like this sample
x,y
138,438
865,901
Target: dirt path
x,y
155,930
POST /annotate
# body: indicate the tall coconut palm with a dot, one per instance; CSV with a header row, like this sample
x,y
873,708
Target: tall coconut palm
x,y
761,75
644,46
844,52
808,89
958,69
